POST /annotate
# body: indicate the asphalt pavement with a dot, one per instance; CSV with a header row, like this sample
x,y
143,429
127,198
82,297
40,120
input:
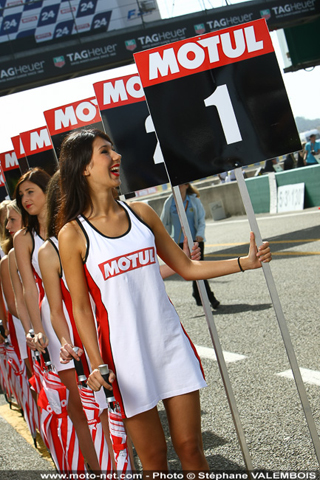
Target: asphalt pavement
x,y
274,425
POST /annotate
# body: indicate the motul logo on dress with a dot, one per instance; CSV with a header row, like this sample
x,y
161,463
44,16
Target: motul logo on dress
x,y
117,266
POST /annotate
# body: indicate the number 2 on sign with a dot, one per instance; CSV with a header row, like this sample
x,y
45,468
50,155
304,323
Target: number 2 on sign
x,y
157,157
220,98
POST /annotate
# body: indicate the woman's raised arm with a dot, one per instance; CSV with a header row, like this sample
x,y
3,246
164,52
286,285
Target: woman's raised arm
x,y
189,269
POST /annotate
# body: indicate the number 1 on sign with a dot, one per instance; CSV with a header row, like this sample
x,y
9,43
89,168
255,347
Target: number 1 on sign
x,y
220,98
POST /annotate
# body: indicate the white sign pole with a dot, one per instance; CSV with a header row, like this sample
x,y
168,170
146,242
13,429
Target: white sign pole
x,y
214,336
280,316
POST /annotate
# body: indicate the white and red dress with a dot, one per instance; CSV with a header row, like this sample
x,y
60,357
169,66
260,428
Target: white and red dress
x,y
74,335
54,343
140,335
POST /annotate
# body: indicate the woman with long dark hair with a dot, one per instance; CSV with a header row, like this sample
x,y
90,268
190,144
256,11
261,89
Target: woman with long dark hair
x,y
30,194
109,255
61,319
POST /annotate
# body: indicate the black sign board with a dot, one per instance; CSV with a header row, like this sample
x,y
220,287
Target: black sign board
x,y
38,149
20,153
3,188
127,121
218,102
74,116
11,170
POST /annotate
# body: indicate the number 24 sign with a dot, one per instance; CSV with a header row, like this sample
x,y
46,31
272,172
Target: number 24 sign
x,y
217,101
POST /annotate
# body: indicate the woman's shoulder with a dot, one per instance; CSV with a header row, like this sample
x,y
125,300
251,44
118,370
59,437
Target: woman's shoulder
x,y
48,255
46,248
4,260
194,198
72,239
23,236
22,233
140,208
11,255
70,231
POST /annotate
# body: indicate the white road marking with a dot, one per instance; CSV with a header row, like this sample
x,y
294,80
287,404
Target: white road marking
x,y
205,352
308,376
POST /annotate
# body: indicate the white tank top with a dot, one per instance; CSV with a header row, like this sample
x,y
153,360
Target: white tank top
x,y
74,336
54,344
37,242
140,334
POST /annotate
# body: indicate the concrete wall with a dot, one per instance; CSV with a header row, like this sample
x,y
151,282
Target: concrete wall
x,y
228,194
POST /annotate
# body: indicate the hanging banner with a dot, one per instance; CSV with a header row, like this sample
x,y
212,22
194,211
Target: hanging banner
x,y
38,149
218,102
102,44
126,119
51,20
74,116
11,170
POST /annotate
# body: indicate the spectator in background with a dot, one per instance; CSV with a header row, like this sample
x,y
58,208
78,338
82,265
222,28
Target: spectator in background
x,y
300,159
226,177
268,166
222,176
196,219
312,148
231,177
289,162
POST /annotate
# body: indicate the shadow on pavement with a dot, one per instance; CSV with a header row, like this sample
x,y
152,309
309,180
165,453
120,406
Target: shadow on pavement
x,y
278,243
237,308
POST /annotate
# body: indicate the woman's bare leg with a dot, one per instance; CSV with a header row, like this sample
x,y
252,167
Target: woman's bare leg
x,y
148,438
28,367
130,452
184,417
29,375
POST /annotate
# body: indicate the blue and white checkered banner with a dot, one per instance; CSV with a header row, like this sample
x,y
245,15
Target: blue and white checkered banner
x,y
51,19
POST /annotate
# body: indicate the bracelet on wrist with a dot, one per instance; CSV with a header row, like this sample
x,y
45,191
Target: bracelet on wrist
x,y
241,269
